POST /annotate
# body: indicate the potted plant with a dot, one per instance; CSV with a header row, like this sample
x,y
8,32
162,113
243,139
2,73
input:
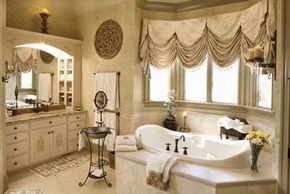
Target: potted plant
x,y
170,109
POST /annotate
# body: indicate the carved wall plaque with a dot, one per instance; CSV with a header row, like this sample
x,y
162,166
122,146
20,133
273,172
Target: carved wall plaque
x,y
108,39
46,57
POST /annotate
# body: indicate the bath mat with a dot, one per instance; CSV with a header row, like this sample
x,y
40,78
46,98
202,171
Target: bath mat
x,y
60,164
29,191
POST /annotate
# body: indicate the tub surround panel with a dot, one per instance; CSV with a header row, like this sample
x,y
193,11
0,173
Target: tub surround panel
x,y
190,178
128,185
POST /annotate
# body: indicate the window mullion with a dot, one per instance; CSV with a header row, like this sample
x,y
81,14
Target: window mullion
x,y
209,81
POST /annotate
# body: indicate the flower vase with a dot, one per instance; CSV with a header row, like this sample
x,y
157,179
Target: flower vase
x,y
255,150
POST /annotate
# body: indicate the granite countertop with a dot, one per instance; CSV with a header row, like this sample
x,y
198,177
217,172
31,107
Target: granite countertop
x,y
39,115
213,176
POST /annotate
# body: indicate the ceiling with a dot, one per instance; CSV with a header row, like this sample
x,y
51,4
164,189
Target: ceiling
x,y
182,5
81,6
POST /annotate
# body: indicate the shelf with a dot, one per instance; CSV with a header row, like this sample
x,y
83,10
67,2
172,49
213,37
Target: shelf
x,y
65,83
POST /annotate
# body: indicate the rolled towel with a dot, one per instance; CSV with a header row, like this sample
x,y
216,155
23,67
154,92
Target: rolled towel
x,y
125,148
126,140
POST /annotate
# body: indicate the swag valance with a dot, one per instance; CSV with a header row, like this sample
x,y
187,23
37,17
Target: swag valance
x,y
24,59
224,38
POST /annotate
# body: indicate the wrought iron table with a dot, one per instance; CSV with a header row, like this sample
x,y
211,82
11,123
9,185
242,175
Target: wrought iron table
x,y
99,133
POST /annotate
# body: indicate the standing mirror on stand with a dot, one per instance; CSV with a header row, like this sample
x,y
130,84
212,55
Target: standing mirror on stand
x,y
100,102
99,134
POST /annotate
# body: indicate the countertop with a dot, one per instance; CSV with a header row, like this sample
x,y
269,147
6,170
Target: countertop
x,y
39,115
213,176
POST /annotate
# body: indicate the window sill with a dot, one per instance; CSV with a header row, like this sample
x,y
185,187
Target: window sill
x,y
216,108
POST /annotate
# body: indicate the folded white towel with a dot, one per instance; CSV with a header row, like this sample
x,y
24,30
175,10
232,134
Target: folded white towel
x,y
236,124
166,172
126,140
81,141
158,162
97,172
125,148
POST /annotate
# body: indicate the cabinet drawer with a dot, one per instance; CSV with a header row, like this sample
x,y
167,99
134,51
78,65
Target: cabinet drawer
x,y
16,149
17,162
73,145
48,122
76,117
76,125
16,138
14,128
73,134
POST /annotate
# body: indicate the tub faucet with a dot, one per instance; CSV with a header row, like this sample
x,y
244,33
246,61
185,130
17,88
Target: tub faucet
x,y
176,143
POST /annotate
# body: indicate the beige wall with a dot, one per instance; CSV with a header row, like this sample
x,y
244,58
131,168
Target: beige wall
x,y
25,15
2,97
124,62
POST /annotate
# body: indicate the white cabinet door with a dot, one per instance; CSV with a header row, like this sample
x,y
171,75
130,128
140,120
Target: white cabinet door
x,y
58,140
40,145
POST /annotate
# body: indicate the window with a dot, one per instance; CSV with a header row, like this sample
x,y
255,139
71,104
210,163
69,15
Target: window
x,y
225,83
264,91
26,80
195,83
159,84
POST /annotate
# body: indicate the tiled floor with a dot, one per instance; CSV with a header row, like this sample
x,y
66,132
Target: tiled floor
x,y
63,183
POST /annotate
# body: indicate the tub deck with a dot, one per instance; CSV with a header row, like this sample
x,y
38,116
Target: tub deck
x,y
214,179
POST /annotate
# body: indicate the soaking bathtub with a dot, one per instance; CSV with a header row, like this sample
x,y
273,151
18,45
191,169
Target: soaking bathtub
x,y
202,149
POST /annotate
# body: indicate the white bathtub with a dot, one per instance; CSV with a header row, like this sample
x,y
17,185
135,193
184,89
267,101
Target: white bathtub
x,y
202,149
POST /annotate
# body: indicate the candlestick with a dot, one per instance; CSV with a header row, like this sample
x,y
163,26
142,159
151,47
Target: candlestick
x,y
258,52
44,14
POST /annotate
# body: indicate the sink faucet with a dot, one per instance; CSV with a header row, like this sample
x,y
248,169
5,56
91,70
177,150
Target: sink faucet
x,y
176,143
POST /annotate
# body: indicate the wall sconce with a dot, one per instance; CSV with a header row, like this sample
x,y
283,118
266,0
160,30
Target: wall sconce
x,y
255,60
8,70
184,129
44,14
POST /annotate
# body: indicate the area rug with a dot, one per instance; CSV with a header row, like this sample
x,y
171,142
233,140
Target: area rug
x,y
60,164
29,191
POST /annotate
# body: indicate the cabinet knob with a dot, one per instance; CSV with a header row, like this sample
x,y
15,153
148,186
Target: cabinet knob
x,y
78,117
15,128
15,163
52,131
15,137
48,132
15,149
77,134
50,122
78,125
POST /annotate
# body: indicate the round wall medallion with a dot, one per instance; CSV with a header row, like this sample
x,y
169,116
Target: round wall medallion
x,y
46,57
108,39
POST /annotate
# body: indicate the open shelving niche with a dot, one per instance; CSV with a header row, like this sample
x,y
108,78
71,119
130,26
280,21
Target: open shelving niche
x,y
65,81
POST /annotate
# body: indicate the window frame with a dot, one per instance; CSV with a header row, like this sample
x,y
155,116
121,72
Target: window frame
x,y
27,90
247,95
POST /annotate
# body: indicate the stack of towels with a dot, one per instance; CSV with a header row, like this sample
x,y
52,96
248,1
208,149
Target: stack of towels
x,y
125,143
236,124
158,170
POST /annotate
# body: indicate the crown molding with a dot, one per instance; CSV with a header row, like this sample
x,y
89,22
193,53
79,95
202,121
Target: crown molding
x,y
184,6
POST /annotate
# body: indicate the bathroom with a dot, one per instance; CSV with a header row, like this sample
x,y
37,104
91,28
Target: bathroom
x,y
232,90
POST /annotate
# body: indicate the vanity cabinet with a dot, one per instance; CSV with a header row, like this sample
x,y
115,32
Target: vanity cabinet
x,y
46,143
48,138
75,124
17,145
37,140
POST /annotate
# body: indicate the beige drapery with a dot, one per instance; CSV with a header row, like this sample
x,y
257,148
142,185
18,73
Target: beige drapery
x,y
224,38
24,59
